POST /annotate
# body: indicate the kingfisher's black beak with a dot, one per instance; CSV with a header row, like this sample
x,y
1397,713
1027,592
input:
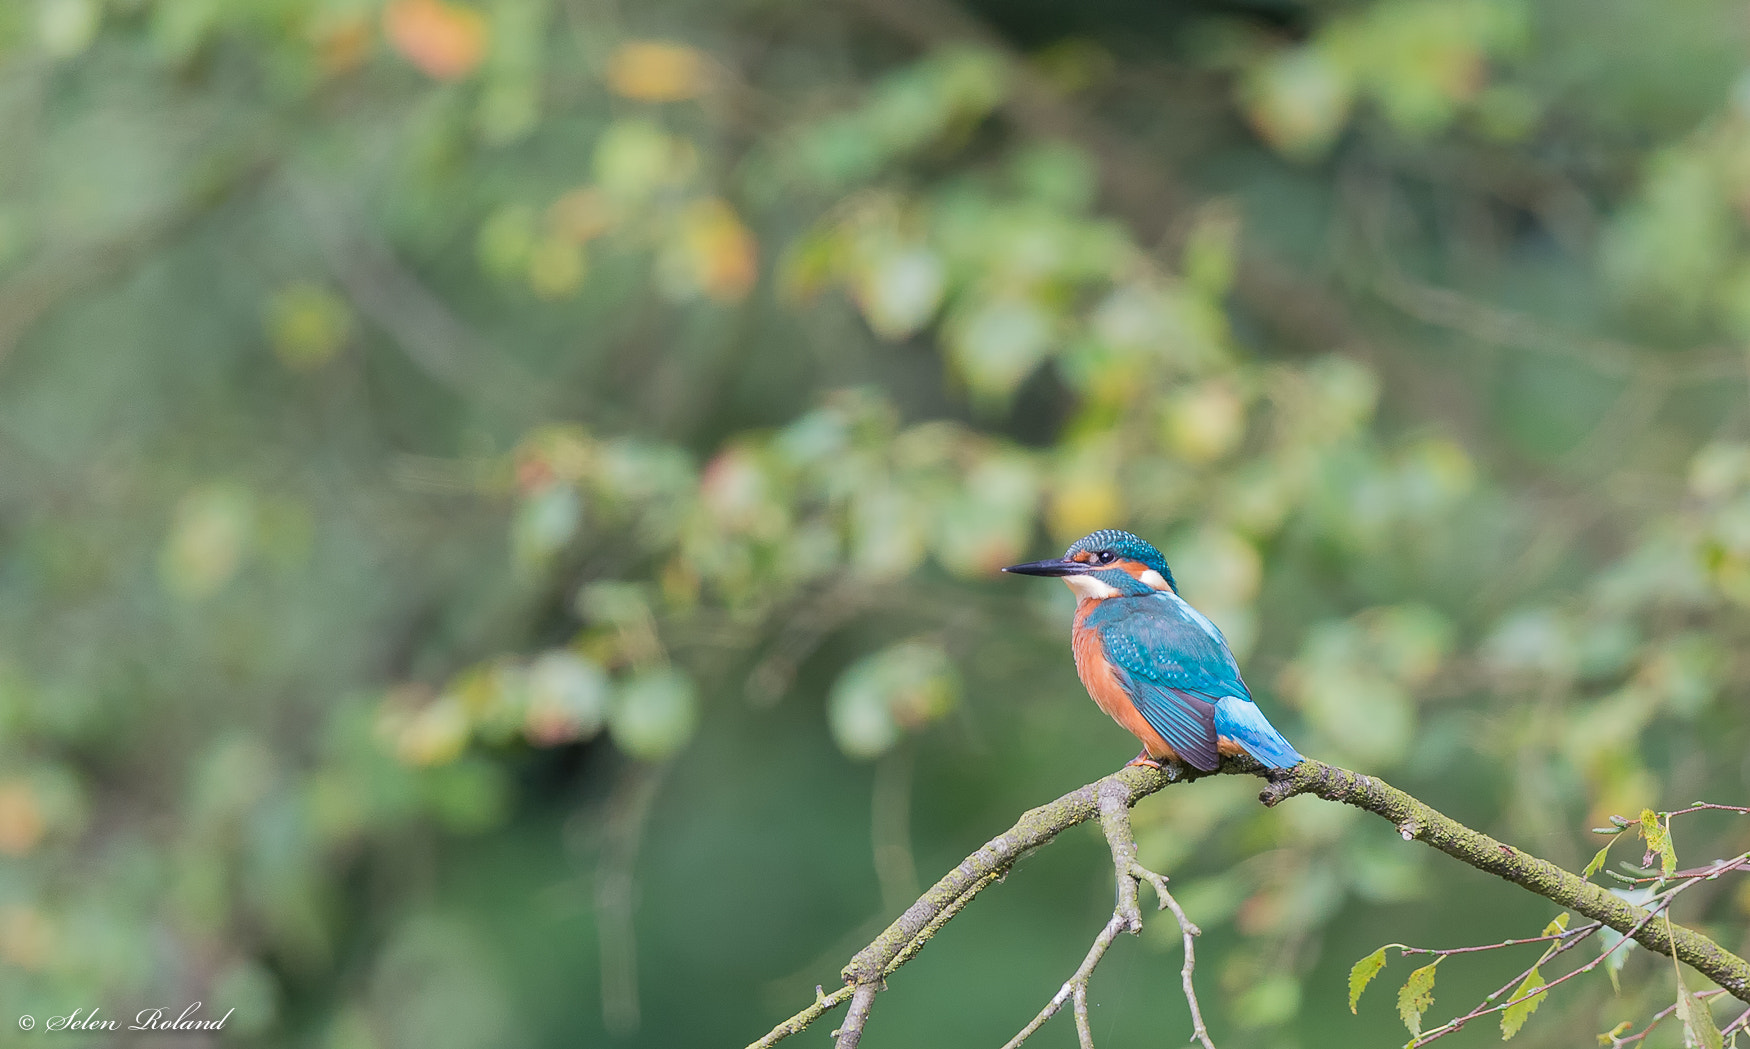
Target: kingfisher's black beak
x,y
1053,567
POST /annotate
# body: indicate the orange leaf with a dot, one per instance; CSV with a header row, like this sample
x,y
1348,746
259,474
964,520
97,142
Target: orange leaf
x,y
653,71
446,41
342,45
580,215
725,257
21,818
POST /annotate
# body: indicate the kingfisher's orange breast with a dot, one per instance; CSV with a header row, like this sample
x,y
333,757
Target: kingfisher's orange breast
x,y
1102,684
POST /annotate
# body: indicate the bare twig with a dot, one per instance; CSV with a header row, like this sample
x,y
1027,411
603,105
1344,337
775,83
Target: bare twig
x,y
823,1004
1114,806
1127,872
1742,1023
852,1032
1742,810
1115,822
1076,986
1187,932
1578,932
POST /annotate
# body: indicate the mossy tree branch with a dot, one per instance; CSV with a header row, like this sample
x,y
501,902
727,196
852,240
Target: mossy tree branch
x,y
900,941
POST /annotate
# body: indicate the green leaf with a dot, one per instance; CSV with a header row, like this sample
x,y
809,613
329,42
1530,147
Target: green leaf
x,y
1362,973
1416,995
1597,863
1697,1020
655,714
1516,1014
1659,841
1557,924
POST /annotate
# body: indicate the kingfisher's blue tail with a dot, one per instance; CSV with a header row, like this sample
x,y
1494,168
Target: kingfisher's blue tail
x,y
1240,720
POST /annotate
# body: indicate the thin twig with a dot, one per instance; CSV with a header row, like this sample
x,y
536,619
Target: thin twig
x,y
1487,1005
1742,1023
823,1003
1658,1018
1084,1029
1076,986
1661,906
1742,810
1115,822
1578,931
852,1032
1187,932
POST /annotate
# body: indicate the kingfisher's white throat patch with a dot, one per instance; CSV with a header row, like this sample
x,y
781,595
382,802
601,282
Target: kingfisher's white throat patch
x,y
1087,586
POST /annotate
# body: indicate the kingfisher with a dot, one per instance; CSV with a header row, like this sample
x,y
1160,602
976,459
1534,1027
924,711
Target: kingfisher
x,y
1158,666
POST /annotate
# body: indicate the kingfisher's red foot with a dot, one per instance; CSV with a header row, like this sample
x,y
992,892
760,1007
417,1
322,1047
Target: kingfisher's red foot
x,y
1145,761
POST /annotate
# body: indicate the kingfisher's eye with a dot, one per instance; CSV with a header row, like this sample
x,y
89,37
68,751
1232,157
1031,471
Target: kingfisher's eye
x,y
1106,557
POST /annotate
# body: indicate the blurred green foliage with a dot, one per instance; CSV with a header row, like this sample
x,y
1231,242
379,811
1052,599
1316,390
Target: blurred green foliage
x,y
500,497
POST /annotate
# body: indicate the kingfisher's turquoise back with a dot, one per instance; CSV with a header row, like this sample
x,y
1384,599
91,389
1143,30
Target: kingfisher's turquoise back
x,y
1177,669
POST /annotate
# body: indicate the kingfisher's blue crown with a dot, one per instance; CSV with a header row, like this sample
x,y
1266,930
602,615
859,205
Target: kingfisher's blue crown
x,y
1125,545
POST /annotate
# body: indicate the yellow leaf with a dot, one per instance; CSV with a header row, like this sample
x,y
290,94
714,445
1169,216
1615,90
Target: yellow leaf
x,y
433,735
1083,502
656,71
720,254
1205,423
1416,995
1362,973
446,41
556,268
1516,1014
1658,841
207,541
308,325
1298,100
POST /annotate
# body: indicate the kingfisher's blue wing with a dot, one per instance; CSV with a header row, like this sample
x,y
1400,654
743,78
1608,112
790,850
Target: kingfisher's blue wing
x,y
1176,667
